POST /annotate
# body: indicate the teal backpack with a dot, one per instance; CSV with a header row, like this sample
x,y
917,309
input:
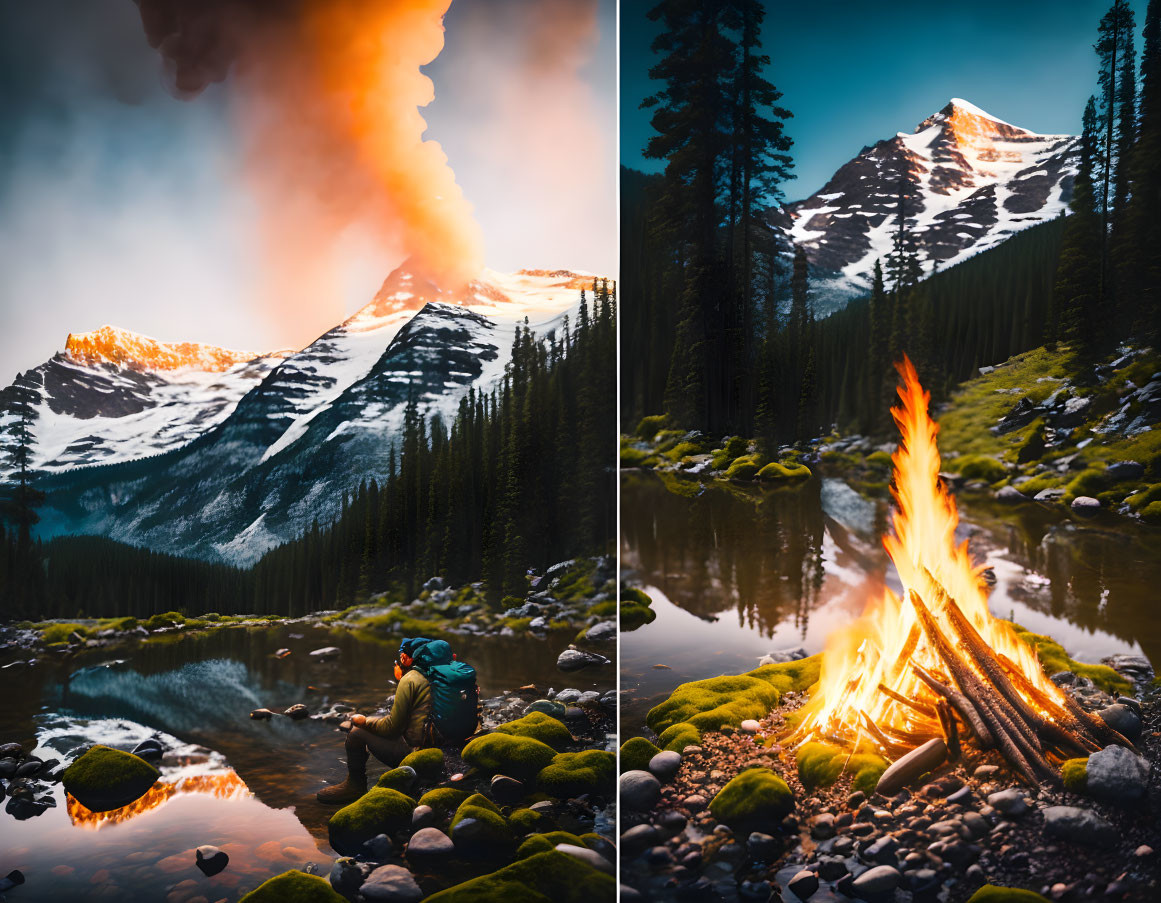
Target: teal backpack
x,y
455,695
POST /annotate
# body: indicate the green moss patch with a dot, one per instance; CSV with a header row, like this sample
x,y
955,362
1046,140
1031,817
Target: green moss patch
x,y
428,763
708,704
1075,774
517,757
401,779
544,843
652,425
978,467
636,753
444,800
479,830
743,468
1053,658
754,799
789,471
379,811
550,877
105,778
294,887
820,765
576,773
529,821
539,726
990,893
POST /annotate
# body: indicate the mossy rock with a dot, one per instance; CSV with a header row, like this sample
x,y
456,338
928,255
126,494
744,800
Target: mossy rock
x,y
576,773
790,472
1053,658
756,798
820,765
529,821
744,468
543,843
479,831
978,467
402,779
105,778
379,811
650,426
636,608
428,763
444,800
990,893
1075,774
551,877
636,753
517,757
539,726
679,736
730,699
294,887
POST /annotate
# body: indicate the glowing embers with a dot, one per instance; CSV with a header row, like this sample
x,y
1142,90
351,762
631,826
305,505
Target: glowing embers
x,y
937,663
223,785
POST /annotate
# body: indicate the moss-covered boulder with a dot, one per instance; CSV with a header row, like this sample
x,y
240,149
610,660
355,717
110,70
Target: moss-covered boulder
x,y
402,779
379,811
636,753
636,608
530,821
551,877
479,831
652,425
576,773
789,472
428,763
743,468
518,757
990,893
543,843
539,726
105,778
444,800
708,704
1075,775
819,765
294,887
1053,658
757,798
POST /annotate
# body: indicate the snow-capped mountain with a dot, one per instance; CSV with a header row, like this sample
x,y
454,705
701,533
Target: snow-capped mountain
x,y
969,181
312,424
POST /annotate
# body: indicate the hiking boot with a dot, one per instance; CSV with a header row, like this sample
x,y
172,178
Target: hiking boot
x,y
347,792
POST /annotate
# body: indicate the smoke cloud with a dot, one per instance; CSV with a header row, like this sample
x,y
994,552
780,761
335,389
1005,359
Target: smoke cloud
x,y
326,95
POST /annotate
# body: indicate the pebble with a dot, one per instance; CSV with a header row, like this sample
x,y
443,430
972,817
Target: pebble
x,y
763,847
210,860
831,868
1121,718
750,726
423,817
1010,802
391,884
878,880
1078,825
804,884
695,802
429,843
639,790
665,765
638,839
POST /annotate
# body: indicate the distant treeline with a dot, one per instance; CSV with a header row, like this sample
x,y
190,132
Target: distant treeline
x,y
525,476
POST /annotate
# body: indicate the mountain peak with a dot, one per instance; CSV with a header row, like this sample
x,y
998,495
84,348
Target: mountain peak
x,y
113,345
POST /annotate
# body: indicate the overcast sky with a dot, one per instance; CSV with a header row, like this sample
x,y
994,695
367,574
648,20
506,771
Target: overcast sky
x,y
121,204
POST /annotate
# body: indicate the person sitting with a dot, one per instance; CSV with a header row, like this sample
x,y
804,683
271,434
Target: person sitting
x,y
391,737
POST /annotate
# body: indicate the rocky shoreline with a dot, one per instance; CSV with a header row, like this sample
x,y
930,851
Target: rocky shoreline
x,y
944,837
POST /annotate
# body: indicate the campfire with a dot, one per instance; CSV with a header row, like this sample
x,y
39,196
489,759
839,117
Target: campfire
x,y
934,669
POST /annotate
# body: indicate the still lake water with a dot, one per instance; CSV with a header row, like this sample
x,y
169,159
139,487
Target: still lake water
x,y
736,573
245,786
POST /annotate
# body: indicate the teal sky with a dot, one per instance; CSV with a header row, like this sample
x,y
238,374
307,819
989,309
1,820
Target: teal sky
x,y
856,72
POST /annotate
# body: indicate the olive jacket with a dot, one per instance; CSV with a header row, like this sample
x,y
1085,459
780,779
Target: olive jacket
x,y
411,709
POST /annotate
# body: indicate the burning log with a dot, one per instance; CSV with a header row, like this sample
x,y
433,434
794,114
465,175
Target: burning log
x,y
962,705
918,762
950,731
921,707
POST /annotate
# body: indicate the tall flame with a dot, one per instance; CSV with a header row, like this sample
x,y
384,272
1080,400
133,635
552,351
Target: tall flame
x,y
878,649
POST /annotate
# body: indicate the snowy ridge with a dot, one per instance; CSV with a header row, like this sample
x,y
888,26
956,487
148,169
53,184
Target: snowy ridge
x,y
970,180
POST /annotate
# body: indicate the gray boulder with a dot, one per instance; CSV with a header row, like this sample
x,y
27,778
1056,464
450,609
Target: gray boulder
x,y
1010,494
391,884
639,790
576,659
1125,470
665,765
1122,719
1086,505
1078,825
1117,774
